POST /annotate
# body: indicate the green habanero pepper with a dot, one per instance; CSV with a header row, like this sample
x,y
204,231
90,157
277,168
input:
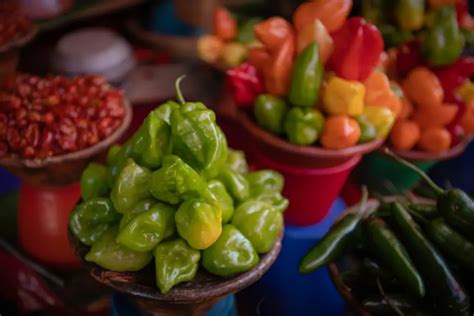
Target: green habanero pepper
x,y
220,195
443,43
94,181
113,154
236,161
270,113
137,209
259,222
176,181
231,253
265,180
307,77
275,199
235,183
131,186
367,130
303,126
116,159
148,229
164,111
199,222
90,219
386,246
410,14
175,262
110,255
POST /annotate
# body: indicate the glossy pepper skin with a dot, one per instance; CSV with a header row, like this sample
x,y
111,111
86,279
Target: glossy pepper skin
x,y
273,32
116,160
137,209
307,77
357,49
235,183
224,25
94,181
342,96
273,198
332,13
270,112
131,186
410,14
223,199
199,222
277,70
175,262
163,112
245,84
455,75
367,130
197,139
259,222
90,219
148,229
443,42
315,31
110,255
176,181
236,161
303,126
231,253
265,180
381,118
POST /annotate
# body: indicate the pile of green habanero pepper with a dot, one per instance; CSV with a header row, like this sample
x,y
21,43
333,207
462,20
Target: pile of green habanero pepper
x,y
406,258
176,193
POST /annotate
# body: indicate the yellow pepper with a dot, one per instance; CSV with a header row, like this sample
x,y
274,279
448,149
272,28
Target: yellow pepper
x,y
210,48
381,118
379,93
466,91
343,96
234,54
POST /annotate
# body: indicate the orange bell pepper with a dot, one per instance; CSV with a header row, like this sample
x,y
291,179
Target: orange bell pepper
x,y
435,139
315,31
258,57
277,70
273,31
405,134
340,131
467,120
436,116
407,108
332,13
379,93
423,87
225,26
210,48
434,4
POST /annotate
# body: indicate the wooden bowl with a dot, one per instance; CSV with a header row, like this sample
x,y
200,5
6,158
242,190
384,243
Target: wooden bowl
x,y
190,298
64,169
304,156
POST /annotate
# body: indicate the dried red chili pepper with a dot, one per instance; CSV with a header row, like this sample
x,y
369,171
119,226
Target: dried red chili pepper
x,y
245,84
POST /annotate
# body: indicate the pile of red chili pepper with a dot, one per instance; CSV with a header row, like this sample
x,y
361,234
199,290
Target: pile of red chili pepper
x,y
13,22
406,257
427,39
43,117
315,81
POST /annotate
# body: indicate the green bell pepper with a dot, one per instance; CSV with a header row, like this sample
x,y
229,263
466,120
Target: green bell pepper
x,y
235,183
175,262
443,42
197,139
110,255
176,181
199,222
303,126
367,130
231,253
265,181
259,222
148,229
270,113
90,219
236,161
137,209
131,186
164,111
275,199
220,195
410,14
94,181
307,77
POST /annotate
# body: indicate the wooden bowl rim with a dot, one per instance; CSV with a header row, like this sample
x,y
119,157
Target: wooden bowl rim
x,y
19,41
180,294
308,151
37,163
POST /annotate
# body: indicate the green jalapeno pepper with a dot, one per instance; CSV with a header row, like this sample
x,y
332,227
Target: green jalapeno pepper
x,y
270,113
94,181
303,126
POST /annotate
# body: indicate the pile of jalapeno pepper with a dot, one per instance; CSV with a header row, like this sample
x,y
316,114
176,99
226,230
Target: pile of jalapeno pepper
x,y
316,81
176,193
408,258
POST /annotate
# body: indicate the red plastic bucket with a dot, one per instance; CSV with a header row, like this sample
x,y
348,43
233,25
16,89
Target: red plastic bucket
x,y
311,191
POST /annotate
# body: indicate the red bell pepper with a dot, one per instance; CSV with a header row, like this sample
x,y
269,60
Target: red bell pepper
x,y
408,57
245,84
462,14
357,49
454,76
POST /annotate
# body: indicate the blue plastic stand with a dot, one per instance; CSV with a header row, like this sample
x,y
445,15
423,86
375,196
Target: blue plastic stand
x,y
8,182
121,306
283,291
163,19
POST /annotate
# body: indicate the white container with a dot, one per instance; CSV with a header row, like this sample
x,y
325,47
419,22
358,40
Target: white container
x,y
93,51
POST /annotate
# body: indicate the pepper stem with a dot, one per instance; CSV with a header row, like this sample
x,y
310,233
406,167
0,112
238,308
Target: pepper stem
x,y
179,95
436,188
